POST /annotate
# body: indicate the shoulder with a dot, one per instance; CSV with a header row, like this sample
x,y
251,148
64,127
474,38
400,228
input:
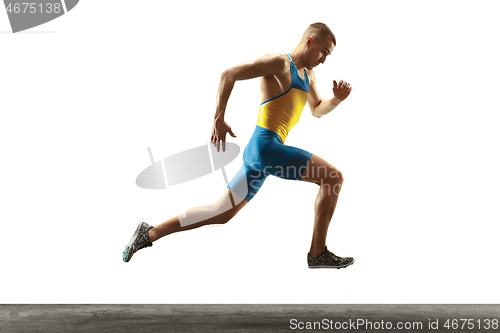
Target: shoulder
x,y
278,60
271,64
267,65
276,57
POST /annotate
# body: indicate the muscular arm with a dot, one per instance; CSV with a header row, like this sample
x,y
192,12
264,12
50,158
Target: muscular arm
x,y
320,107
271,64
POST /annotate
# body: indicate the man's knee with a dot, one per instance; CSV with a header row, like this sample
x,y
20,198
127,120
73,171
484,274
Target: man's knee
x,y
210,214
332,182
224,209
226,216
341,177
334,176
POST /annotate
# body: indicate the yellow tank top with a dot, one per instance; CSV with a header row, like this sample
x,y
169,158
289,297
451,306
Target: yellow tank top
x,y
280,114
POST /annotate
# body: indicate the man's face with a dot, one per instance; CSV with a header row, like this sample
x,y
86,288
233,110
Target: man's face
x,y
318,51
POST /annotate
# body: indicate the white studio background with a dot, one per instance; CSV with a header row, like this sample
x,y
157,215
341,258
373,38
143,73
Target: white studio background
x,y
83,96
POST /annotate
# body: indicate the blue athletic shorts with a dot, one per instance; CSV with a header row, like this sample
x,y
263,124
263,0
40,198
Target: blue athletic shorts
x,y
266,155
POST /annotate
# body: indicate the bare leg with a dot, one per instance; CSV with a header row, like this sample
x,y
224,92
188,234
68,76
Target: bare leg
x,y
211,212
330,181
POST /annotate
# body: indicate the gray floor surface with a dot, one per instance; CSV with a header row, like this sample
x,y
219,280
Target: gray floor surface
x,y
232,317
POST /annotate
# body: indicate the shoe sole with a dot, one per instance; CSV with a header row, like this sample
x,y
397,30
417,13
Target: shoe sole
x,y
337,267
134,236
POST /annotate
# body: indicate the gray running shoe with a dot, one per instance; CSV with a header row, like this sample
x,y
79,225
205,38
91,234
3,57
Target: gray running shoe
x,y
329,260
139,240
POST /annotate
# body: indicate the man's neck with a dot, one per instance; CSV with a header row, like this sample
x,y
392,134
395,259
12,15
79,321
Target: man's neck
x,y
297,58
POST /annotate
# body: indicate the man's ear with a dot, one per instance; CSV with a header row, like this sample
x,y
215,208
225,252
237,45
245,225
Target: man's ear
x,y
309,41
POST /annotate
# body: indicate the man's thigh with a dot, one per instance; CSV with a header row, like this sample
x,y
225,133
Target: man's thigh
x,y
285,162
247,182
319,171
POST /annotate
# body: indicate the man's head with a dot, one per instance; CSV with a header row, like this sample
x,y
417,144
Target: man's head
x,y
318,41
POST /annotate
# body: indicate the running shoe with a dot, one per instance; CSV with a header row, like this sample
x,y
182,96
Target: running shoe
x,y
329,260
139,240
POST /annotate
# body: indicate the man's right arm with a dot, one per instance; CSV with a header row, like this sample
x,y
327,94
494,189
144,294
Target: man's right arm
x,y
270,64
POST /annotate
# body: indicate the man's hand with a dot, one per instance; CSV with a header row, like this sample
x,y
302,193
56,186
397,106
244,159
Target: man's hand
x,y
342,90
320,107
219,130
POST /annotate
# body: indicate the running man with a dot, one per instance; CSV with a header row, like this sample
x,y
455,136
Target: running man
x,y
287,83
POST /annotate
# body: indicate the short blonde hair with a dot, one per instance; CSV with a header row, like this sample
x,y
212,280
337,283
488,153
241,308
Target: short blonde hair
x,y
321,31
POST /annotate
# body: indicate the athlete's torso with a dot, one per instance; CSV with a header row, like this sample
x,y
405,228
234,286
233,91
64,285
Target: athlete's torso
x,y
282,112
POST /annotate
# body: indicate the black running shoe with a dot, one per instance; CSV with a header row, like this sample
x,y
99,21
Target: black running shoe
x,y
139,240
329,260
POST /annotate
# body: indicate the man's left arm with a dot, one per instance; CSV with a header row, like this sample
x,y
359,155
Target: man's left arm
x,y
320,107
